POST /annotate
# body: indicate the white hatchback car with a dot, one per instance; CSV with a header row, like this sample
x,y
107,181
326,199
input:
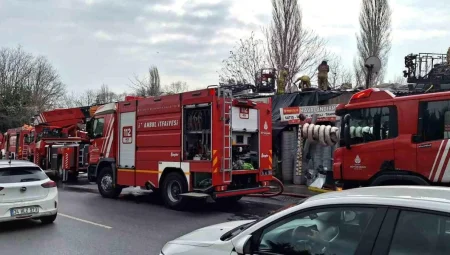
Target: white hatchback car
x,y
26,192
377,220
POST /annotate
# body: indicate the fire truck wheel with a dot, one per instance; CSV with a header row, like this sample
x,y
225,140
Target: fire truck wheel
x,y
174,185
105,184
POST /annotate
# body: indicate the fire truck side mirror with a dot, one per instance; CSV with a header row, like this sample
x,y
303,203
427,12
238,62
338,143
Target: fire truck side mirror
x,y
347,131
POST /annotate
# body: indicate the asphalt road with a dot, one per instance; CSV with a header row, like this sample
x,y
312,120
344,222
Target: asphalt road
x,y
89,224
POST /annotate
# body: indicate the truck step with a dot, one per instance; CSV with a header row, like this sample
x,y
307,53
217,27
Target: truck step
x,y
195,195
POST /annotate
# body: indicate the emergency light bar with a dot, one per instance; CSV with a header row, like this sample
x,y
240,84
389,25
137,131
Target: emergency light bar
x,y
363,94
371,94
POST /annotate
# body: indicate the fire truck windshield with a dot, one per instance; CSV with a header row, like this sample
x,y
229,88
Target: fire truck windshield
x,y
372,124
97,127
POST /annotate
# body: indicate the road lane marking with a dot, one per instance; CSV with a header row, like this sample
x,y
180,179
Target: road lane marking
x,y
85,221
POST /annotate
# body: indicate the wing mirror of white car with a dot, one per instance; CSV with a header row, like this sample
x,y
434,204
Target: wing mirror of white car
x,y
243,245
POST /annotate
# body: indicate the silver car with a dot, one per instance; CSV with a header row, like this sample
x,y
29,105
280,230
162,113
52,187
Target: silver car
x,y
377,220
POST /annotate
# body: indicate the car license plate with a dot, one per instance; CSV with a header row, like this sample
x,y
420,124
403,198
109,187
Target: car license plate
x,y
24,210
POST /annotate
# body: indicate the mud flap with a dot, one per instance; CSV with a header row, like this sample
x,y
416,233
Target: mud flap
x,y
114,173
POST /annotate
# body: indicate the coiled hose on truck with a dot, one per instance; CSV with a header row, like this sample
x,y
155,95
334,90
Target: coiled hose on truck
x,y
323,134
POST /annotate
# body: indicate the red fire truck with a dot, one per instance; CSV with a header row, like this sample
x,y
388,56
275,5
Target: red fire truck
x,y
402,138
196,144
16,142
61,145
386,139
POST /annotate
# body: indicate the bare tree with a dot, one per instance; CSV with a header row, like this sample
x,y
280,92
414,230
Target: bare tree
x,y
335,64
346,78
27,85
374,38
105,95
339,74
46,86
247,58
176,87
147,86
91,97
360,79
74,99
289,43
399,79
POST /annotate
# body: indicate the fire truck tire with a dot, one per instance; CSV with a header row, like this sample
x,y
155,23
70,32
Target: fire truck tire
x,y
105,184
173,185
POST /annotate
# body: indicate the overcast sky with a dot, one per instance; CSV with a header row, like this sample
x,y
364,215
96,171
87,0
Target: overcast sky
x,y
92,42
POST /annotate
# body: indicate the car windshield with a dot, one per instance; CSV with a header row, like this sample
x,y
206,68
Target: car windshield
x,y
21,174
234,232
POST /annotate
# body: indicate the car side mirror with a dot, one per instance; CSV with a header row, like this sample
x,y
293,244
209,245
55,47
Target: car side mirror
x,y
347,139
242,245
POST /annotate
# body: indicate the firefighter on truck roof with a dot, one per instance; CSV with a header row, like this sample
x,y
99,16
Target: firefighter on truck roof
x,y
305,82
282,77
323,75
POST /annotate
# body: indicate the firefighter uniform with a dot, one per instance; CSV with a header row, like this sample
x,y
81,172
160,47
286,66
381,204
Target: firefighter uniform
x,y
282,81
305,81
323,75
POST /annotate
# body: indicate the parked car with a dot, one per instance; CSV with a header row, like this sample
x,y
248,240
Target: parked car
x,y
375,220
26,192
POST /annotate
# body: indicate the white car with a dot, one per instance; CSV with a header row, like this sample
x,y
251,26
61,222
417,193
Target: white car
x,y
26,192
377,220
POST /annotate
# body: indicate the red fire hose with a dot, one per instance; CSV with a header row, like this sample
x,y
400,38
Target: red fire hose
x,y
279,192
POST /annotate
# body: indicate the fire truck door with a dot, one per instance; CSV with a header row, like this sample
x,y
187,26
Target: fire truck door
x,y
433,150
372,145
364,160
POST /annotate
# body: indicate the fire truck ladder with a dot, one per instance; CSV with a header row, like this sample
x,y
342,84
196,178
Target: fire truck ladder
x,y
227,162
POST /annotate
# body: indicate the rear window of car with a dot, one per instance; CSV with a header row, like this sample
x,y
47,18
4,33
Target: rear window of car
x,y
21,174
